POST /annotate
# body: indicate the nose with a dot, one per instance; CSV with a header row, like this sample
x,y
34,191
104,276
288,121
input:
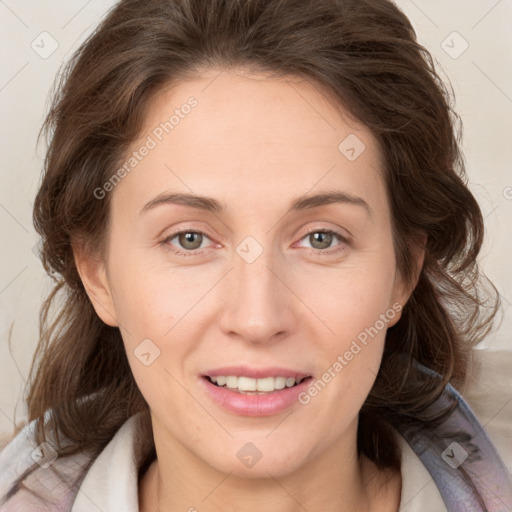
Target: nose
x,y
258,305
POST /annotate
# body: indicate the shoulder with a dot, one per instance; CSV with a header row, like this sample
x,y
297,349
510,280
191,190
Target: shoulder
x,y
34,477
488,392
467,453
52,482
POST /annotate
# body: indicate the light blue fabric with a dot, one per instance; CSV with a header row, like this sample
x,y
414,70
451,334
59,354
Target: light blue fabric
x,y
461,458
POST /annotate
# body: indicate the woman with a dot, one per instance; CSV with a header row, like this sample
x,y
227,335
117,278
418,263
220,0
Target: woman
x,y
257,218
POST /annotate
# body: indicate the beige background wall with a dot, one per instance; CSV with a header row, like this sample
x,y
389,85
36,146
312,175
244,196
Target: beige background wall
x,y
471,40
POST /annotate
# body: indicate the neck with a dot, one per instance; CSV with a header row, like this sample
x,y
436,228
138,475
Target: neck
x,y
324,484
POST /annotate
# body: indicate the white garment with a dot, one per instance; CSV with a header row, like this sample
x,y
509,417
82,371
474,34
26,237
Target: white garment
x,y
116,491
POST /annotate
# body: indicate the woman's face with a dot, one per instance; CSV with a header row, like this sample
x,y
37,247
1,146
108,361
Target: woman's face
x,y
287,269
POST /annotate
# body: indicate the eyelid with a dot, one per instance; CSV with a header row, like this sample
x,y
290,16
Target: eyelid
x,y
166,241
342,238
323,229
345,240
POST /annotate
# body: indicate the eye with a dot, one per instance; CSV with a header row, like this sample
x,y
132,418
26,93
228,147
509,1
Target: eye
x,y
322,239
190,240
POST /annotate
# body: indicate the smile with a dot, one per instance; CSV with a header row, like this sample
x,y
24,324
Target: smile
x,y
266,396
248,385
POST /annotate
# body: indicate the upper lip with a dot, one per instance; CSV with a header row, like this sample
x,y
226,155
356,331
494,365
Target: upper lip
x,y
255,373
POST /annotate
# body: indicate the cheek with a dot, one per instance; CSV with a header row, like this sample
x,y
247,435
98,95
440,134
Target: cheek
x,y
147,299
355,299
356,308
150,311
155,309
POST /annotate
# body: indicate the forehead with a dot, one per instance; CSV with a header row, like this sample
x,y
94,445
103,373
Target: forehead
x,y
233,132
237,108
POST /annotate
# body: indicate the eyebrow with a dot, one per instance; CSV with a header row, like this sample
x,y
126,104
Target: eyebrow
x,y
300,203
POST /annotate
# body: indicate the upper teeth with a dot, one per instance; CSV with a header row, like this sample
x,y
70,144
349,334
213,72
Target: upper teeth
x,y
248,384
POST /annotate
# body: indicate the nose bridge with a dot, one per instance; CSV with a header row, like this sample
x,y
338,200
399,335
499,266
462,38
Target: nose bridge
x,y
258,305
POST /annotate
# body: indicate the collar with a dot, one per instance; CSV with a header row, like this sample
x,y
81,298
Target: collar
x,y
112,490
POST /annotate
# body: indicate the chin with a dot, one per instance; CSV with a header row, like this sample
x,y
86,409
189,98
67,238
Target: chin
x,y
247,461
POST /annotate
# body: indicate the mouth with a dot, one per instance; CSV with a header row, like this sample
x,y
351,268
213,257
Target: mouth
x,y
255,386
251,391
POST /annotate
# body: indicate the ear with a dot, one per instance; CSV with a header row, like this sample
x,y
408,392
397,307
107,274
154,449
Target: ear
x,y
401,292
93,274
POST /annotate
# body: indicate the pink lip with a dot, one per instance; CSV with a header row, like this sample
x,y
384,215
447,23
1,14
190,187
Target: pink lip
x,y
255,373
254,405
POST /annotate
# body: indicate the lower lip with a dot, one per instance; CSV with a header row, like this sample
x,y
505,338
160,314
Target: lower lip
x,y
255,405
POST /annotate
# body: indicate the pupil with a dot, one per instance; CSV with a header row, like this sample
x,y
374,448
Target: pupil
x,y
187,238
321,235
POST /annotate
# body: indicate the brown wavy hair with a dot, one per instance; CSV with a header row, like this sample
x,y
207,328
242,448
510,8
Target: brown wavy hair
x,y
365,54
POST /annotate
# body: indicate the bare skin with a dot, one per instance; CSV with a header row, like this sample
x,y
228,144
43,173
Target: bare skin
x,y
380,491
254,144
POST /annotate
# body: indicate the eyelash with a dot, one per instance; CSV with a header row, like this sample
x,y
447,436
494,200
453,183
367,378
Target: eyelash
x,y
198,252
